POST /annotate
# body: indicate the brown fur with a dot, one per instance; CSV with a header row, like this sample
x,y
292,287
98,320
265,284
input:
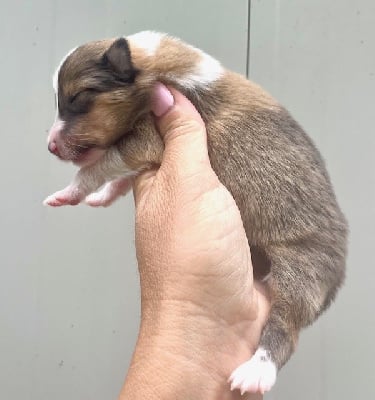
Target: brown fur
x,y
274,172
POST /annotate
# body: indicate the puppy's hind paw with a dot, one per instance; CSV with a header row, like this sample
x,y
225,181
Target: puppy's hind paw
x,y
109,193
257,375
70,196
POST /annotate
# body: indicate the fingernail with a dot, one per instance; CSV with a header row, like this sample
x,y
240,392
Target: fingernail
x,y
161,100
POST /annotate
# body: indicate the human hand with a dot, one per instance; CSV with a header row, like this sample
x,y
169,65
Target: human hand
x,y
202,314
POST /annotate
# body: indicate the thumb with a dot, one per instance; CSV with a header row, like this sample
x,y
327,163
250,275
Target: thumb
x,y
182,129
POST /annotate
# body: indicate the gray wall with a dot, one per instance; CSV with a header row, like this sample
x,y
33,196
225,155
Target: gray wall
x,y
69,307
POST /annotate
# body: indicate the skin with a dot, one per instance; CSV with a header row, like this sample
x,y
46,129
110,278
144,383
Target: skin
x,y
201,313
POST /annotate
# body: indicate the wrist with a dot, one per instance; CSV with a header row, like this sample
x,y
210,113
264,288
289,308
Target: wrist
x,y
159,371
183,353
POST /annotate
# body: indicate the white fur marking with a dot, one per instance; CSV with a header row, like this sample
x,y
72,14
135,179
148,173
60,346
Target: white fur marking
x,y
207,71
55,80
256,375
147,40
56,74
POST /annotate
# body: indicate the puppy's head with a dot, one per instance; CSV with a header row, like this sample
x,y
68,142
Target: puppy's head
x,y
97,100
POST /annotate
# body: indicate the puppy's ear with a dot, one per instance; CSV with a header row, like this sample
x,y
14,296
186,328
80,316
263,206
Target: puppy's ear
x,y
118,59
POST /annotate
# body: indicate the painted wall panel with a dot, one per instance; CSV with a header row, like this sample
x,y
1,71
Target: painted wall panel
x,y
318,59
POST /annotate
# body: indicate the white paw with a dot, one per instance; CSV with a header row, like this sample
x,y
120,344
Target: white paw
x,y
71,195
257,375
109,193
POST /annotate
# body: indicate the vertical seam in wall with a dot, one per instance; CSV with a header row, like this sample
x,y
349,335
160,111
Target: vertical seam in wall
x,y
248,38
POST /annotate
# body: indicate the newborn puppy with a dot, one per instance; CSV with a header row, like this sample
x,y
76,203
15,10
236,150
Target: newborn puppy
x,y
277,177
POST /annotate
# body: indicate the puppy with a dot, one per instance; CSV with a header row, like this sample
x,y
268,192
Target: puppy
x,y
277,177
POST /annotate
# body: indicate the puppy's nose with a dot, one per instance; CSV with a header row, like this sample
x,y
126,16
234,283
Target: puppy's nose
x,y
52,148
54,138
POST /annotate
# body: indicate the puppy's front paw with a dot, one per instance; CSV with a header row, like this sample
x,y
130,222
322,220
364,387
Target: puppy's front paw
x,y
109,193
70,196
257,375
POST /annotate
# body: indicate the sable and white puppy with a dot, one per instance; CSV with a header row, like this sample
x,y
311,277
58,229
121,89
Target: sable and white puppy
x,y
294,226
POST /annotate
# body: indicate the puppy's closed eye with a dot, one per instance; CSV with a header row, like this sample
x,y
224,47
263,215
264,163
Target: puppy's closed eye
x,y
81,101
